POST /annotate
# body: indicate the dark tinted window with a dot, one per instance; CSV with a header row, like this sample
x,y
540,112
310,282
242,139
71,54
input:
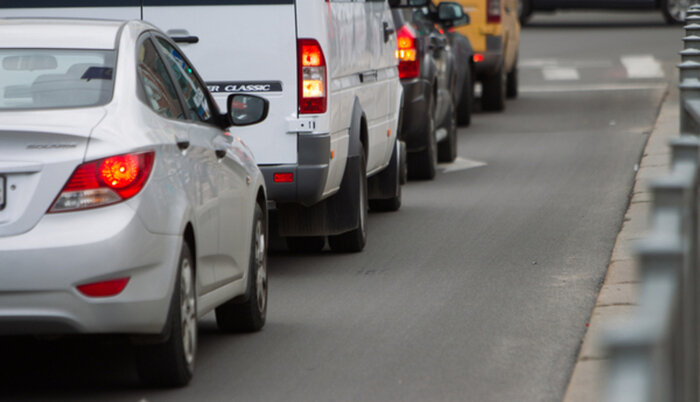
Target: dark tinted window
x,y
160,91
194,92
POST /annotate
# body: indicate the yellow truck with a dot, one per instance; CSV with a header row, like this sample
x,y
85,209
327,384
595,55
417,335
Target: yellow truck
x,y
494,32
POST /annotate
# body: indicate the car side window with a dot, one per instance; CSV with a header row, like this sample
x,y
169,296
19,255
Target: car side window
x,y
159,88
193,91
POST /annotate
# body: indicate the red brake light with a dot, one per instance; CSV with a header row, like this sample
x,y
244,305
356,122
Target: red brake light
x,y
407,53
284,177
478,57
104,289
312,77
493,11
104,182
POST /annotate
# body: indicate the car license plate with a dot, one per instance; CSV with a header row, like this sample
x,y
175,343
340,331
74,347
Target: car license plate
x,y
2,192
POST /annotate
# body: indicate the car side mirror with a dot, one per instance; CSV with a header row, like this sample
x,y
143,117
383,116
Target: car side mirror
x,y
452,14
244,110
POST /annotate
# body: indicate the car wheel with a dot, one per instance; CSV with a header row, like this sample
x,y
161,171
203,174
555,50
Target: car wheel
x,y
397,164
171,363
674,10
493,97
422,165
466,101
248,315
447,148
355,240
306,244
524,11
512,82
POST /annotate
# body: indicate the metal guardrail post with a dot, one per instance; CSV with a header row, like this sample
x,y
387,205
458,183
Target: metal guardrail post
x,y
690,76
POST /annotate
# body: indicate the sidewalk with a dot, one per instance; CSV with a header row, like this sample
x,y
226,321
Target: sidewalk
x,y
618,296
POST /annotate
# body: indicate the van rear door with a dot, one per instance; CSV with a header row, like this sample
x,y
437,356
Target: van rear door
x,y
108,9
241,46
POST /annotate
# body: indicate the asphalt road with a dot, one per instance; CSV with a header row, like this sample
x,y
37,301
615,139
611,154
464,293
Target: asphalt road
x,y
479,289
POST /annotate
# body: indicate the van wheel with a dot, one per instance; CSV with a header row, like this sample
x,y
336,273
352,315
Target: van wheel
x,y
512,82
464,109
493,97
171,363
423,164
355,240
306,244
447,148
249,314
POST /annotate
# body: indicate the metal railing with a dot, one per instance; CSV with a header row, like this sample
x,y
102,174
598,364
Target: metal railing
x,y
655,355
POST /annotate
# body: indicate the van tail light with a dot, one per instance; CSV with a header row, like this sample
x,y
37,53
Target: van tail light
x,y
313,90
407,53
493,11
104,182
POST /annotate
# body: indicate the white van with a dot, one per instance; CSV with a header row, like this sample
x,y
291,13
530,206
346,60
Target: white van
x,y
328,148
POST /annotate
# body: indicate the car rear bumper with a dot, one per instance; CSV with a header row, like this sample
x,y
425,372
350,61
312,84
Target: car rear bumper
x,y
40,270
310,174
414,119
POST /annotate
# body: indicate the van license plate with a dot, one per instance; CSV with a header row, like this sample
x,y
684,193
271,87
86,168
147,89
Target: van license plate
x,y
2,193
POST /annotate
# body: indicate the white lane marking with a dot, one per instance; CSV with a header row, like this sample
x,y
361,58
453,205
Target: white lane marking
x,y
642,66
592,87
460,164
560,74
542,63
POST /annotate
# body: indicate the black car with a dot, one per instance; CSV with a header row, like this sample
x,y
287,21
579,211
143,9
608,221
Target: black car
x,y
432,80
673,10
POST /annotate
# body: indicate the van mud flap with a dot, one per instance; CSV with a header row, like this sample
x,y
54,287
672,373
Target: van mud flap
x,y
332,216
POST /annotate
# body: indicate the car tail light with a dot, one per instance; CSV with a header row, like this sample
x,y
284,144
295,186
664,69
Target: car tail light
x,y
104,289
407,53
313,91
478,57
104,182
493,11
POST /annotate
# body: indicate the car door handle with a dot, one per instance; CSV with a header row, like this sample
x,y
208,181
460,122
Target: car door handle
x,y
388,31
183,144
185,39
220,153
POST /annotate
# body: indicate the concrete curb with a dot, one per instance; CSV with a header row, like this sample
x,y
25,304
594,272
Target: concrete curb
x,y
618,295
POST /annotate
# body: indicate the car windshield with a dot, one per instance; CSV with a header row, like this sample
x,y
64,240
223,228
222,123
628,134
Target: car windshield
x,y
53,78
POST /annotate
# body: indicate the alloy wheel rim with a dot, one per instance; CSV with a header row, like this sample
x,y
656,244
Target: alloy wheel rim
x,y
188,312
260,268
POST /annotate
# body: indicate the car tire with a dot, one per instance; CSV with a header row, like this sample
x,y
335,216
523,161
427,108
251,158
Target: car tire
x,y
466,101
493,97
447,148
306,244
396,164
249,314
354,240
512,82
171,363
422,165
524,11
673,11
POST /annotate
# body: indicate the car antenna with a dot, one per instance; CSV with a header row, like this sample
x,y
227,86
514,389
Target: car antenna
x,y
141,10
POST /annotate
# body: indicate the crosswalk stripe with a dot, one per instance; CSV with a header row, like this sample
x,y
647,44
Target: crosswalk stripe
x,y
560,74
642,66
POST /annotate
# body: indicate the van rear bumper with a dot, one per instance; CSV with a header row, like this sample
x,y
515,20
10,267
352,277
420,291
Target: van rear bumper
x,y
493,58
309,175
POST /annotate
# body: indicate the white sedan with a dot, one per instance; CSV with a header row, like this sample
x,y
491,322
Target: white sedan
x,y
125,205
